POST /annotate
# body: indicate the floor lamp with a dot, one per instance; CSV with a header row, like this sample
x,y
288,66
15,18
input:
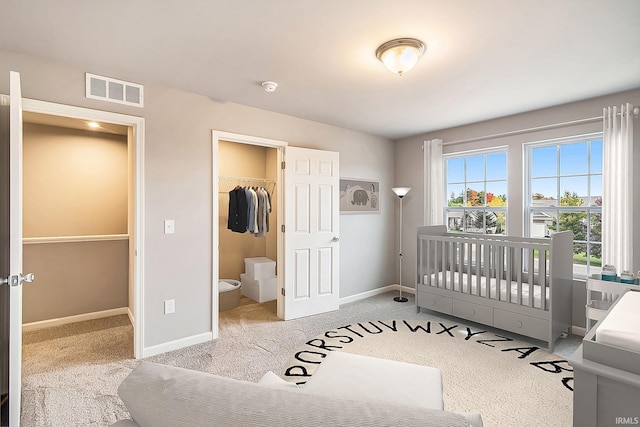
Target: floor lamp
x,y
400,192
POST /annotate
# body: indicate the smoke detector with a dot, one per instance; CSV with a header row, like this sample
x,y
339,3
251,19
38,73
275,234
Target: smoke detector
x,y
270,86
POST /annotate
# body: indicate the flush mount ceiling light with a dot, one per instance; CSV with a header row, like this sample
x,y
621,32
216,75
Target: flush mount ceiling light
x,y
400,55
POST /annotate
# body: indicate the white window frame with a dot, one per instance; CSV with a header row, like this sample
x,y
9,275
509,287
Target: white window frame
x,y
527,178
474,153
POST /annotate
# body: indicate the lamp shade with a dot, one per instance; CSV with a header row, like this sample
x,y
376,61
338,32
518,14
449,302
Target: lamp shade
x,y
401,191
400,55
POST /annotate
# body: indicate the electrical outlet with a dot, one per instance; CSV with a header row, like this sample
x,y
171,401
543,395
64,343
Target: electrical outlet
x,y
169,226
169,306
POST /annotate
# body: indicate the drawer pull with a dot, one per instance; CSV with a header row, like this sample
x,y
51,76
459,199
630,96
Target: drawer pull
x,y
473,312
519,323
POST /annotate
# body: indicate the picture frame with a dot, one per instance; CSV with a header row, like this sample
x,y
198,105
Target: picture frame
x,y
358,196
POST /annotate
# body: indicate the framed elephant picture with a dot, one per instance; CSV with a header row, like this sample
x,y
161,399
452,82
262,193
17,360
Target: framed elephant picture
x,y
359,196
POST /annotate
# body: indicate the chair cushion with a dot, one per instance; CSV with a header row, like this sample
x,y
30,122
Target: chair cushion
x,y
344,374
158,396
270,379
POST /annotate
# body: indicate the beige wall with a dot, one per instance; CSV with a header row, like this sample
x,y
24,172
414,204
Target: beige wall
x,y
75,182
251,161
74,278
177,185
272,175
409,163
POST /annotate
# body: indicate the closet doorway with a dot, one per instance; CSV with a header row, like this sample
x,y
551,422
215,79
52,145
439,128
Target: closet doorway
x,y
247,167
88,255
308,267
244,161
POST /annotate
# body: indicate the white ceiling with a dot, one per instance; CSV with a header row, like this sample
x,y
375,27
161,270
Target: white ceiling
x,y
484,59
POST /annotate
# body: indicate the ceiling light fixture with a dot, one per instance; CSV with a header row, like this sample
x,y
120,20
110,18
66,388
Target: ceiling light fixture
x,y
400,55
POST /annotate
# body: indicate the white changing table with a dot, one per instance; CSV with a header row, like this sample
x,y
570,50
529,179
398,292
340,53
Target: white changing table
x,y
606,381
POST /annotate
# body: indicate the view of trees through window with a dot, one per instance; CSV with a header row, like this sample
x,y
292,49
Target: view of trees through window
x,y
565,193
477,192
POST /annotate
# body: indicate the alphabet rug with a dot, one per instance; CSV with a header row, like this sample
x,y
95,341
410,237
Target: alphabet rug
x,y
509,382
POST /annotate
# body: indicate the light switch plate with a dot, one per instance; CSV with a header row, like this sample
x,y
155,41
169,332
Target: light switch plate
x,y
169,226
169,306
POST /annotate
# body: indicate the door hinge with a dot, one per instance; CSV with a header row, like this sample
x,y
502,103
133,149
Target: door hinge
x,y
282,291
282,165
282,228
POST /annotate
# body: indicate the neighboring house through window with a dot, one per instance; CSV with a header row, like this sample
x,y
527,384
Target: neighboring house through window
x,y
563,191
476,191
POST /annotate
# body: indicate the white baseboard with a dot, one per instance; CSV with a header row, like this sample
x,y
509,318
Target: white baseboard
x,y
130,314
377,291
177,344
578,330
26,327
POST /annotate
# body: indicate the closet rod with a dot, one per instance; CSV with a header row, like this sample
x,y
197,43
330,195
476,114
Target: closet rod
x,y
228,183
636,111
245,179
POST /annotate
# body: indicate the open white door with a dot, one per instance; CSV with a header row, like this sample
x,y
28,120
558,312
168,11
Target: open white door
x,y
311,243
12,246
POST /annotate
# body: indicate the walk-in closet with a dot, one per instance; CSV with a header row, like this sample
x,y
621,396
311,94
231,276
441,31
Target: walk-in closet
x,y
76,215
249,236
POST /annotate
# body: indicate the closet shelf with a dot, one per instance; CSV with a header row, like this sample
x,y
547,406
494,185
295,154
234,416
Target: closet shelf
x,y
228,183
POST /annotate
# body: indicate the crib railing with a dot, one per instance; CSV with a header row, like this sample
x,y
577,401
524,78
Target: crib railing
x,y
487,266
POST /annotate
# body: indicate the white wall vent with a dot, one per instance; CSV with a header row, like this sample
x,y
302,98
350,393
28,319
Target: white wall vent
x,y
113,90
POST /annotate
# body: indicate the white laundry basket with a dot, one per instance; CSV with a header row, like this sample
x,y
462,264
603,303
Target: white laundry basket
x,y
229,292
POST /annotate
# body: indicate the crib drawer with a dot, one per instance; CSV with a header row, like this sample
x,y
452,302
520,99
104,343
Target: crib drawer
x,y
435,302
474,312
521,324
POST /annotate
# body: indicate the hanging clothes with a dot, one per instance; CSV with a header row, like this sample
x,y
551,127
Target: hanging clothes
x,y
264,209
260,213
254,218
238,210
268,208
251,211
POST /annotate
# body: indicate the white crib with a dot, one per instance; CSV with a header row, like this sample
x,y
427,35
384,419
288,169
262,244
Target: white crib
x,y
518,284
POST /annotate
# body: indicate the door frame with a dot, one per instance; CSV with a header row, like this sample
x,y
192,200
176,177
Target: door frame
x,y
136,231
216,137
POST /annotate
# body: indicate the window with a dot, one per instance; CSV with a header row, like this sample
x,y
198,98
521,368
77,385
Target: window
x,y
476,192
564,192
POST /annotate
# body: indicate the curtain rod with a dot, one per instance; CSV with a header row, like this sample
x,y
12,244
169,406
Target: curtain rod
x,y
636,111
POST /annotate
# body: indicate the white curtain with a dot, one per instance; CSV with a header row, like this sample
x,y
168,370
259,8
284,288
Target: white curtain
x,y
434,183
617,191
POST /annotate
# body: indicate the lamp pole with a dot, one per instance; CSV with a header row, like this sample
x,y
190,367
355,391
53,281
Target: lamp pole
x,y
400,192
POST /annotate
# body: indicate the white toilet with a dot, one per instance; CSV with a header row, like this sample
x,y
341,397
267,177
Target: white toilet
x,y
229,292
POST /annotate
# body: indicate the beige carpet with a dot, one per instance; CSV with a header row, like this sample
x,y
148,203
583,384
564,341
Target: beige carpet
x,y
510,382
71,373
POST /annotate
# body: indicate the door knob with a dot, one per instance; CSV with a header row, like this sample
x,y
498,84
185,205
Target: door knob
x,y
335,239
18,279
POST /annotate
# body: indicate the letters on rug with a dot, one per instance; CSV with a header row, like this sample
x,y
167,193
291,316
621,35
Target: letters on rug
x,y
482,371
